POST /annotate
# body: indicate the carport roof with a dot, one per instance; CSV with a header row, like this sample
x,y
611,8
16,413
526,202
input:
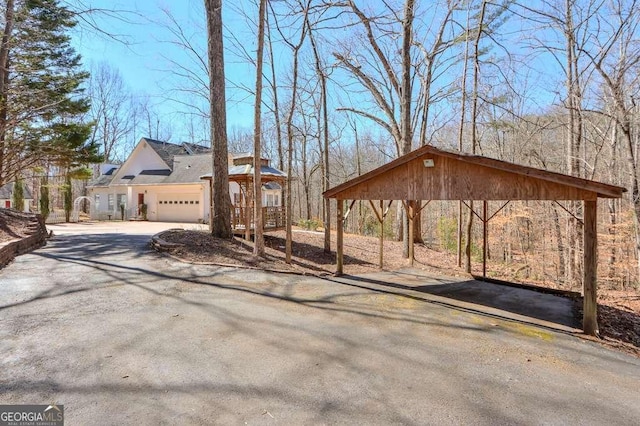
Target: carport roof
x,y
430,173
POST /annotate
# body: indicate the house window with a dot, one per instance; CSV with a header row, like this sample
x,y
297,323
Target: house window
x,y
96,198
270,200
110,198
197,202
276,200
237,198
121,200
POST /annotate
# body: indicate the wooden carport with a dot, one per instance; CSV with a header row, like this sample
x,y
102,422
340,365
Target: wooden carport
x,y
429,173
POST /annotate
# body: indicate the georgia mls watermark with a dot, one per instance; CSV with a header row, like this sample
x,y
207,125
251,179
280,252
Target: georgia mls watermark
x,y
31,415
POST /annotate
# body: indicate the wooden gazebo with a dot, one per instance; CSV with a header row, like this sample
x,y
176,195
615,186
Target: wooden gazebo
x,y
241,172
429,173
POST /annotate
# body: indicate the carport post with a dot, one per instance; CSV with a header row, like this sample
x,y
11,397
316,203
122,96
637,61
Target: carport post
x,y
484,238
340,235
410,213
590,302
381,234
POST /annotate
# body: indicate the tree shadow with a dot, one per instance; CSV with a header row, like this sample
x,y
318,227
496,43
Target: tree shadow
x,y
522,302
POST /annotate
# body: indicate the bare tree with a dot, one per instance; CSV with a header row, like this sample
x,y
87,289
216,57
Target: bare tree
x,y
324,146
616,57
295,50
110,110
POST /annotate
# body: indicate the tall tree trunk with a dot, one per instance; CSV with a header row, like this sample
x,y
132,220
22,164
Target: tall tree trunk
x,y
474,125
290,133
4,81
612,204
405,101
324,149
574,142
276,106
221,210
258,246
463,108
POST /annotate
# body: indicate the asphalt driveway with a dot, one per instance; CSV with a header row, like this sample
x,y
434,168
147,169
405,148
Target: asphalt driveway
x,y
121,335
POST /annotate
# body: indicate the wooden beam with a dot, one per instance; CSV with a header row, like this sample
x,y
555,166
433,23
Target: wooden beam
x,y
339,237
590,285
381,234
485,223
411,214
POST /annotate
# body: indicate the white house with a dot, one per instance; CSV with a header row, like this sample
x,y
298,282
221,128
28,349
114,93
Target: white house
x,y
172,181
6,197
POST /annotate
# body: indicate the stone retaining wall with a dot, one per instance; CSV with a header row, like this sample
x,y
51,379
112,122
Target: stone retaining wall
x,y
11,249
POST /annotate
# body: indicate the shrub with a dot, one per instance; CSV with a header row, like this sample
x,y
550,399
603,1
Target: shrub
x,y
309,224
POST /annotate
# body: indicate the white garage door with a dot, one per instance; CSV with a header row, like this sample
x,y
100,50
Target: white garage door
x,y
179,207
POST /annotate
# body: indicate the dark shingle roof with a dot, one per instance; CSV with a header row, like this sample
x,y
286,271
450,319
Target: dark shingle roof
x,y
6,192
167,150
189,168
102,180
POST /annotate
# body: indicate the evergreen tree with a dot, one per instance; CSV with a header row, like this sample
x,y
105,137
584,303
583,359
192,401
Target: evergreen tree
x,y
42,99
44,197
18,195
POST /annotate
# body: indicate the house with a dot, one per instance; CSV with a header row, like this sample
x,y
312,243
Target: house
x,y
173,184
6,197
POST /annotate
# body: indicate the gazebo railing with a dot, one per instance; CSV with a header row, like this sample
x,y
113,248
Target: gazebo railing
x,y
272,217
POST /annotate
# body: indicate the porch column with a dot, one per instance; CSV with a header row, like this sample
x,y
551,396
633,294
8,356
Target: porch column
x,y
339,238
590,303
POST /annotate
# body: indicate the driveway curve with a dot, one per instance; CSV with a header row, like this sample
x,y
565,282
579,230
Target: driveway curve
x,y
121,335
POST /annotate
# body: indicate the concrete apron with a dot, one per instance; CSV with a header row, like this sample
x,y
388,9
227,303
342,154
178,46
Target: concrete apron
x,y
483,298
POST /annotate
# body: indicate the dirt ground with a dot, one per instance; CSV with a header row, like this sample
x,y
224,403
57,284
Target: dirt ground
x,y
12,227
619,311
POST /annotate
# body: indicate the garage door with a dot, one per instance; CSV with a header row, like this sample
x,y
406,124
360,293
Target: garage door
x,y
179,207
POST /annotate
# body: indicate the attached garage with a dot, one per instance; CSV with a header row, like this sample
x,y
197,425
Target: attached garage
x,y
179,207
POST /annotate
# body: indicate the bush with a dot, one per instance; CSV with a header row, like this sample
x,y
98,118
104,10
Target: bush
x,y
447,232
309,224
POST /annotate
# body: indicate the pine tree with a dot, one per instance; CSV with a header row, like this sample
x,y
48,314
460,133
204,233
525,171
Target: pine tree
x,y
41,96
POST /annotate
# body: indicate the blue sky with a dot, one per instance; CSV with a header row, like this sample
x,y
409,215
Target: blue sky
x,y
143,59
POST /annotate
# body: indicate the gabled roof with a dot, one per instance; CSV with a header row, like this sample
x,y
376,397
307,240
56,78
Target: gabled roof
x,y
102,180
454,176
6,191
167,151
189,168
